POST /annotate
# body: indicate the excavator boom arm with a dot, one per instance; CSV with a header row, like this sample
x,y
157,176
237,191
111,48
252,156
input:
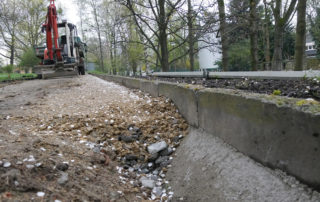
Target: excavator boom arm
x,y
52,29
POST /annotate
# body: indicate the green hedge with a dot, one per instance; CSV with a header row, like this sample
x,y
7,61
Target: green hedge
x,y
313,63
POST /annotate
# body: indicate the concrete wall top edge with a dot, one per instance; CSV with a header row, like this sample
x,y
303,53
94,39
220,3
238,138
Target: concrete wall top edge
x,y
298,104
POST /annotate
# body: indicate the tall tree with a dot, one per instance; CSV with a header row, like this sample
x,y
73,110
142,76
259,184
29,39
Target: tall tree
x,y
300,35
281,17
8,28
223,33
266,32
155,26
191,34
34,14
254,34
97,26
135,50
238,20
81,4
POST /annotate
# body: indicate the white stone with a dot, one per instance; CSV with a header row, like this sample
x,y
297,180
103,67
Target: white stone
x,y
157,191
63,179
7,164
40,194
146,182
156,147
30,166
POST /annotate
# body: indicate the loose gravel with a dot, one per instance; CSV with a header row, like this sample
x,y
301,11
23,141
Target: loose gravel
x,y
85,139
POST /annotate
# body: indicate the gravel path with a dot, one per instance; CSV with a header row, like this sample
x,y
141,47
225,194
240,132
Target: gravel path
x,y
84,139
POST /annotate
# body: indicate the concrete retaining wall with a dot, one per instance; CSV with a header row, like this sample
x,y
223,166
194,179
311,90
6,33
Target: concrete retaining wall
x,y
184,98
271,130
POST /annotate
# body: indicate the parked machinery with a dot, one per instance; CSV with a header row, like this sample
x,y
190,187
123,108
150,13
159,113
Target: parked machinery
x,y
62,55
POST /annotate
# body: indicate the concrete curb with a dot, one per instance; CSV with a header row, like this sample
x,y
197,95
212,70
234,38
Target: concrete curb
x,y
277,135
184,98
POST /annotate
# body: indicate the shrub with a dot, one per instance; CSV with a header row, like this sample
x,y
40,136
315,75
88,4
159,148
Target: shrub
x,y
8,69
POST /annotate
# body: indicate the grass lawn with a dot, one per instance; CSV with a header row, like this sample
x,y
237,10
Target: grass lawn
x,y
16,76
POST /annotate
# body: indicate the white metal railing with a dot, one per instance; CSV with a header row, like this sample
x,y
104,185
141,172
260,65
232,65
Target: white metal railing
x,y
254,75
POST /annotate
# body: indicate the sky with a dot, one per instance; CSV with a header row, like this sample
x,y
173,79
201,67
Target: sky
x,y
70,10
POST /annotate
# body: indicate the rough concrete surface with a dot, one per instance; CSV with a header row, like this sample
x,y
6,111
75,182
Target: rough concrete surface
x,y
184,98
132,83
207,169
278,136
150,87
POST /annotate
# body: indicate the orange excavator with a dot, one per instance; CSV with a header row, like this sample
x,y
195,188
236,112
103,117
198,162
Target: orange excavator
x,y
64,52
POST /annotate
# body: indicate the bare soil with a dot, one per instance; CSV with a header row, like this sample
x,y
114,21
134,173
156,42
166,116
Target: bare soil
x,y
59,140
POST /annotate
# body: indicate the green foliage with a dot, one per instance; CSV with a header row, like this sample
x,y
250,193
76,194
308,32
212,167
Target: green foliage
x,y
239,14
29,58
313,63
219,64
240,56
135,49
315,30
276,92
8,69
289,40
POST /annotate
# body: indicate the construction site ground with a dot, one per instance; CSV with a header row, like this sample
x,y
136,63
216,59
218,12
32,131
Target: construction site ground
x,y
85,139
59,140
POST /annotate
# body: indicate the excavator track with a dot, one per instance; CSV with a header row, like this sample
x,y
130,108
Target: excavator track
x,y
59,74
55,71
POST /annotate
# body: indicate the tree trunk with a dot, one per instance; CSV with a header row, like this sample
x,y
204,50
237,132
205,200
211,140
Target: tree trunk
x,y
12,49
190,36
101,52
134,67
94,7
253,35
300,36
280,24
164,60
114,66
158,59
278,46
266,37
223,33
163,37
111,57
